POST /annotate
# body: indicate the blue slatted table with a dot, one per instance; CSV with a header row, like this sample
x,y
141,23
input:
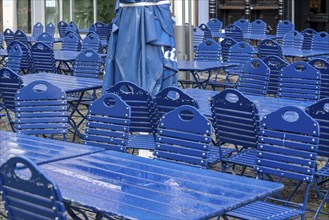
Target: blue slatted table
x,y
264,104
261,37
31,39
70,56
40,150
290,52
139,188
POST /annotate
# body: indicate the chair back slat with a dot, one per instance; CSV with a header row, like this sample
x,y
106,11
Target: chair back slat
x,y
29,197
269,47
293,40
301,81
257,27
184,140
198,36
34,108
71,42
46,38
37,29
143,111
108,123
50,28
308,35
320,112
26,62
9,36
61,26
254,78
323,67
240,53
283,27
91,41
225,45
43,58
206,31
10,83
235,118
276,64
101,29
15,58
73,28
234,32
215,26
21,37
321,42
243,24
288,144
208,50
87,64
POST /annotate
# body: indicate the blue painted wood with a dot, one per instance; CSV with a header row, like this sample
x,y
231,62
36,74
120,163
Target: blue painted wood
x,y
283,27
108,123
101,29
9,36
61,26
72,27
301,81
41,108
276,64
91,41
141,188
46,38
37,29
206,31
50,28
14,58
254,78
87,64
243,24
322,66
215,26
21,37
208,50
198,37
321,42
269,47
43,58
71,42
293,40
27,61
1,41
40,150
34,197
226,44
308,34
234,32
257,27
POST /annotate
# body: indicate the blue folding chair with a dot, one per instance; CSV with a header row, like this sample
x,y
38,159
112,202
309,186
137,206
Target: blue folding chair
x,y
254,78
29,195
37,29
276,64
108,123
46,38
143,114
101,29
215,26
319,112
9,36
43,58
283,27
243,24
257,27
236,121
21,37
71,42
234,32
41,109
293,40
308,35
10,83
73,28
269,47
226,45
321,42
198,37
50,28
91,41
300,81
26,62
323,67
87,64
287,149
14,58
61,26
184,136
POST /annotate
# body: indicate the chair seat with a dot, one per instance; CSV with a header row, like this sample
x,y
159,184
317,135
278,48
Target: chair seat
x,y
244,158
141,141
323,171
264,210
214,153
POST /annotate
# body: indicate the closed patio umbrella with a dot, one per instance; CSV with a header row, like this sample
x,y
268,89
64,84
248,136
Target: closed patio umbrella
x,y
141,48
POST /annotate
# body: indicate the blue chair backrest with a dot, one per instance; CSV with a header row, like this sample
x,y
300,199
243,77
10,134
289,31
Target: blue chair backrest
x,y
9,36
239,53
43,58
41,108
300,81
46,38
288,144
308,35
206,31
234,32
15,58
33,196
269,47
61,26
226,44
215,25
276,64
235,119
37,29
108,123
198,37
283,27
21,37
320,112
72,27
50,28
87,64
71,42
184,140
254,78
208,50
321,42
91,41
26,62
143,110
170,98
257,27
10,83
293,39
101,29
243,24
322,66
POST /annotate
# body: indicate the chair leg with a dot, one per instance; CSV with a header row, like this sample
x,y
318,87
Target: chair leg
x,y
321,205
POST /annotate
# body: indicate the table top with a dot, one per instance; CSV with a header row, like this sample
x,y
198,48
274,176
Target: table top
x,y
289,52
40,150
69,84
3,52
140,188
201,65
265,104
34,39
261,36
69,56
